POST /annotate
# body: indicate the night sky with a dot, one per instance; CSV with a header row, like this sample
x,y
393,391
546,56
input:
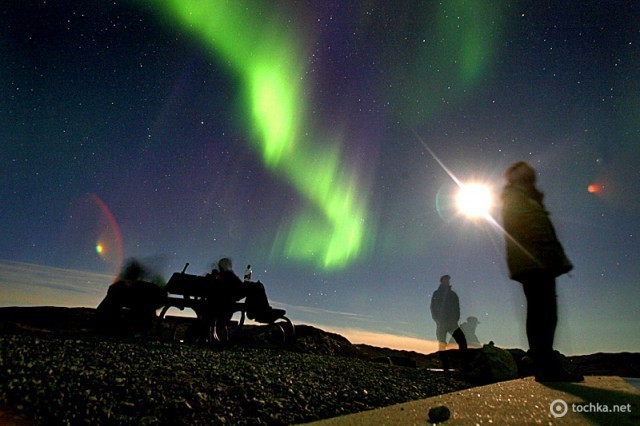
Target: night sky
x,y
295,136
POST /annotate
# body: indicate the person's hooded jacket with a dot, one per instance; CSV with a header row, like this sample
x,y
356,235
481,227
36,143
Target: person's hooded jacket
x,y
532,244
445,307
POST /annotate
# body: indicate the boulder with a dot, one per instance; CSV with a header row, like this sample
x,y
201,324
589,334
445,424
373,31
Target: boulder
x,y
439,414
523,361
491,364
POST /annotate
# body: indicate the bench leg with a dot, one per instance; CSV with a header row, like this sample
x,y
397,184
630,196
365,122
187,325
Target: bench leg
x,y
218,332
221,330
280,332
161,323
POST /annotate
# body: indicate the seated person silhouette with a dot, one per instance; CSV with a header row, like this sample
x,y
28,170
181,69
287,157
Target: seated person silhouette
x,y
469,329
131,301
258,308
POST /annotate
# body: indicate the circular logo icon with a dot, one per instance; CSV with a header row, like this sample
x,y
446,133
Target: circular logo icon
x,y
559,408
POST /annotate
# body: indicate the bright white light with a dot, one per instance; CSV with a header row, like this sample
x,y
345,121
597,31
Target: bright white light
x,y
474,200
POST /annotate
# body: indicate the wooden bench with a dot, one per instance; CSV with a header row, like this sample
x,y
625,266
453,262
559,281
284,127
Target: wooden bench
x,y
215,308
205,297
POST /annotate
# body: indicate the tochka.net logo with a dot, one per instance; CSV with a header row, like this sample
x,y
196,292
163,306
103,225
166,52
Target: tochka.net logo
x,y
559,408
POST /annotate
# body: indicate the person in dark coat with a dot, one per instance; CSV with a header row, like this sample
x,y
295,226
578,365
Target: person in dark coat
x,y
129,307
131,301
258,307
535,258
445,311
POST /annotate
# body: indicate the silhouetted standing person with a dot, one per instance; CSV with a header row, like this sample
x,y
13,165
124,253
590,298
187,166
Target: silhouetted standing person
x,y
535,258
445,311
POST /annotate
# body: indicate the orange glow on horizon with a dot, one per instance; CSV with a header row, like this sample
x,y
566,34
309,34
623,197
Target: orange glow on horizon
x,y
384,340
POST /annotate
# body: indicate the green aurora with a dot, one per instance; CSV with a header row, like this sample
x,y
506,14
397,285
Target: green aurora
x,y
335,227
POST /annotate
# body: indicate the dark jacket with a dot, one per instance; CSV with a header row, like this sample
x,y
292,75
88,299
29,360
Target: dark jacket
x,y
532,245
445,306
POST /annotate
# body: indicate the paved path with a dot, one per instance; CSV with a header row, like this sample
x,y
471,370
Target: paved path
x,y
517,402
635,381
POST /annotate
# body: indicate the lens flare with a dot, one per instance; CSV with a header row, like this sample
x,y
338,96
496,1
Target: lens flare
x,y
109,240
594,189
474,200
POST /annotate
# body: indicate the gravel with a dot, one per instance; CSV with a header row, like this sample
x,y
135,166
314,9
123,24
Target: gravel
x,y
57,380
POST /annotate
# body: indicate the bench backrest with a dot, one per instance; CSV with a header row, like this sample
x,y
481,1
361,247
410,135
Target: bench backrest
x,y
195,286
190,285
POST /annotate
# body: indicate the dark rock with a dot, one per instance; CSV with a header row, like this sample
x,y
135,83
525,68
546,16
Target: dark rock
x,y
439,414
523,361
491,364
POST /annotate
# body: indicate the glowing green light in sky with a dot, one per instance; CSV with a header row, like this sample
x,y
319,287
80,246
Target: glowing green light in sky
x,y
470,29
453,51
266,60
273,109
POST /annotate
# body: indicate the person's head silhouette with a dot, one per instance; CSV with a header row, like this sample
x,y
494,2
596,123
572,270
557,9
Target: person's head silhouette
x,y
225,264
520,173
445,280
473,321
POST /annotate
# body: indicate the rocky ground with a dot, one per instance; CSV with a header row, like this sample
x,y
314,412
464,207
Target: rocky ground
x,y
64,377
73,381
54,369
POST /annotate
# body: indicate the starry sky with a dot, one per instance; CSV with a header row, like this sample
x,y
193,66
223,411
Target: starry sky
x,y
317,141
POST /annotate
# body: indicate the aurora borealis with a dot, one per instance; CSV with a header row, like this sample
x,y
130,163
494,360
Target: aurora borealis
x,y
266,59
296,137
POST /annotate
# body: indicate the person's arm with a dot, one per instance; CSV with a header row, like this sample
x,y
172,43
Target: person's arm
x,y
527,221
433,307
535,244
456,306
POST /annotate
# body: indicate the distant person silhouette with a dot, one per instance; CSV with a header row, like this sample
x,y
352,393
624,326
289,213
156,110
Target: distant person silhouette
x,y
535,258
445,311
469,329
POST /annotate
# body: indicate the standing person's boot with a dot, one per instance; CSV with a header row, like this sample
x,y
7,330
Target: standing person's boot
x,y
549,369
